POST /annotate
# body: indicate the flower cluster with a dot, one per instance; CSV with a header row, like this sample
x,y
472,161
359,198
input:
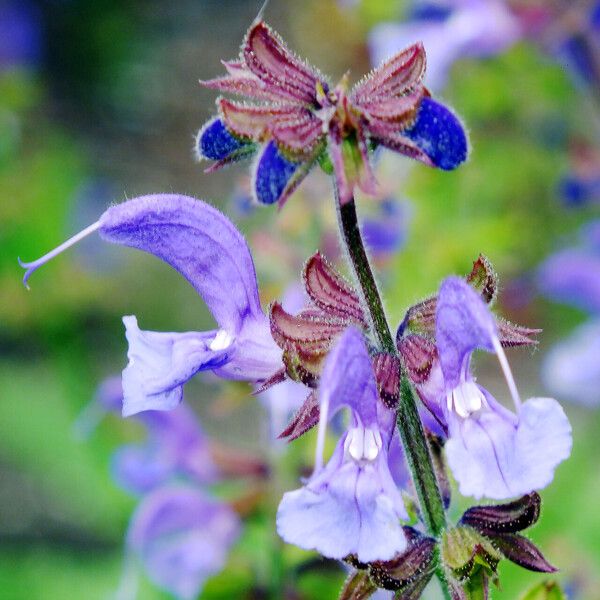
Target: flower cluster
x,y
388,468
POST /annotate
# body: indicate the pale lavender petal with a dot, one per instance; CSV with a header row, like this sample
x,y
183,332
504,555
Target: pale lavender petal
x,y
199,242
175,447
254,355
140,469
495,454
347,508
348,379
160,363
463,324
182,537
571,370
572,276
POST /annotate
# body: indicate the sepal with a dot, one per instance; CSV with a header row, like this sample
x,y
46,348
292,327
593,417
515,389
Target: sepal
x,y
523,552
465,552
330,291
418,355
305,418
358,586
409,571
387,374
484,279
504,518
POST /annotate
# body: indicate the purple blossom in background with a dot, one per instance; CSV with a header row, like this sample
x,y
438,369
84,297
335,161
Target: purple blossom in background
x,y
181,537
449,30
571,369
178,534
491,451
385,232
20,34
175,448
206,248
352,504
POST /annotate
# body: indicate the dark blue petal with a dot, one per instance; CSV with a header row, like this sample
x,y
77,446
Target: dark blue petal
x,y
216,143
273,173
439,133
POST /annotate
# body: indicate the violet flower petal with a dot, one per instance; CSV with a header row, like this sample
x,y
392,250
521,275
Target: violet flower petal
x,y
572,276
175,447
272,174
346,508
348,379
160,363
495,454
463,324
182,537
199,242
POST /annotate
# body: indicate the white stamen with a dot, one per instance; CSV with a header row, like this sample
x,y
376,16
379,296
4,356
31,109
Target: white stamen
x,y
323,416
466,399
363,444
510,380
34,265
221,341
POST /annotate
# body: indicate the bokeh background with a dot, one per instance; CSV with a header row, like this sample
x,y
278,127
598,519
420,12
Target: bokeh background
x,y
99,101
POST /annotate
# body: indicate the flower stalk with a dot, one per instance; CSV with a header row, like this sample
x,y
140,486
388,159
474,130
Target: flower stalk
x,y
408,420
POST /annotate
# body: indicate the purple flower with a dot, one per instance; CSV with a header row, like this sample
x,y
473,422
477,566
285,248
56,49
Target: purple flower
x,y
181,537
20,34
457,29
571,369
299,119
175,447
352,504
385,232
491,451
205,247
572,276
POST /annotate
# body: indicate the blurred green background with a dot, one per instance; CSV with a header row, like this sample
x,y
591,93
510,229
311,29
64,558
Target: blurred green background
x,y
105,106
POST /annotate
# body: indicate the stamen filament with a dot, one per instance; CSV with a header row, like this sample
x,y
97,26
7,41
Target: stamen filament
x,y
324,415
510,380
36,264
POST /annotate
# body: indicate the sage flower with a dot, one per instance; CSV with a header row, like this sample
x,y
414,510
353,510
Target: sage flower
x,y
492,451
206,248
181,536
352,504
298,119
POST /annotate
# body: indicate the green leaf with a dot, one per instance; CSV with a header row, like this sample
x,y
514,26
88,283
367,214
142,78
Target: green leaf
x,y
547,590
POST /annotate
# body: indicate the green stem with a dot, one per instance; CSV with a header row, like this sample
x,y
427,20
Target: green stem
x,y
419,460
362,270
408,421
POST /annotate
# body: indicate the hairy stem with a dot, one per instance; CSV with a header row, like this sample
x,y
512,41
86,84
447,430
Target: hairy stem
x,y
419,460
408,421
362,270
